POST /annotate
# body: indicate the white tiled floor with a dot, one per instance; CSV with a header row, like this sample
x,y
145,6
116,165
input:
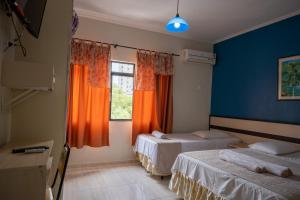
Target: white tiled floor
x,y
127,181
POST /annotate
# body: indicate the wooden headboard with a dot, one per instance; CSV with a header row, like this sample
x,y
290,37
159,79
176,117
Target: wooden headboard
x,y
257,129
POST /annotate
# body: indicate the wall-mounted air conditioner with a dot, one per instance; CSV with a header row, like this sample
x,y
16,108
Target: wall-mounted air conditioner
x,y
28,77
195,56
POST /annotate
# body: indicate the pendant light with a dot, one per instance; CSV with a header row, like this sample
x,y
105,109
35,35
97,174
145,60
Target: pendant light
x,y
177,24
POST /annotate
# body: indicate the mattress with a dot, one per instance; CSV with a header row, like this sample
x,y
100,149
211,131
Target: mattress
x,y
158,155
229,181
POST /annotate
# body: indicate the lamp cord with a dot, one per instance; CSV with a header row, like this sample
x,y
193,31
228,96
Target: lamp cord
x,y
18,36
177,6
17,41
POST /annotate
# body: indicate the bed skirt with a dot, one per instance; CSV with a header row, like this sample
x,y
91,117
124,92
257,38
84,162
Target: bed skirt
x,y
189,189
147,164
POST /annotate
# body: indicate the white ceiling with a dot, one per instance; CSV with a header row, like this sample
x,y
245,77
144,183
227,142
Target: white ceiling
x,y
210,20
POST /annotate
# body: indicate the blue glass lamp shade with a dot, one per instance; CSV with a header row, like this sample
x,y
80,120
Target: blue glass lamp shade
x,y
177,24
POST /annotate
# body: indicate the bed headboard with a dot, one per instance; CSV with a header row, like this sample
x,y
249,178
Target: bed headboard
x,y
256,129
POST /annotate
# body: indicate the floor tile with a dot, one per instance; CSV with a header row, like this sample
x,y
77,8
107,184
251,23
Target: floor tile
x,y
113,182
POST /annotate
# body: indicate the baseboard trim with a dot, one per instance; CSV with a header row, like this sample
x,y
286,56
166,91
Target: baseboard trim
x,y
104,164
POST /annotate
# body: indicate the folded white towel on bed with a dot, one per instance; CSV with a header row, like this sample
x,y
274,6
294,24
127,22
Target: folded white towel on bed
x,y
241,160
159,135
277,170
254,164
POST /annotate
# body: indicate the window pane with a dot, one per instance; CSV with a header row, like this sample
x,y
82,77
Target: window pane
x,y
121,98
122,67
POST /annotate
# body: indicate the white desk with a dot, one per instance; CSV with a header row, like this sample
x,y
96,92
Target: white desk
x,y
24,176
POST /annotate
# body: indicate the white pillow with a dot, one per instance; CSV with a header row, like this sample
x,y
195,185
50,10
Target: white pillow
x,y
275,147
211,134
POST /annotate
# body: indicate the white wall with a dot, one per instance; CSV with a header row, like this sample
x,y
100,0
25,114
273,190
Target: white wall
x,y
42,117
5,116
192,86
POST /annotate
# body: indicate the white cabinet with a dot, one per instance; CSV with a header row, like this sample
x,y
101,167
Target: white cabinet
x,y
24,176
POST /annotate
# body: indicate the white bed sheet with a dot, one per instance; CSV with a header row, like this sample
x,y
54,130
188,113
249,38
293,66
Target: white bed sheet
x,y
163,152
293,157
234,182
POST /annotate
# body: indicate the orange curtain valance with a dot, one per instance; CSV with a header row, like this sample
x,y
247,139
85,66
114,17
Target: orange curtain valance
x,y
96,57
149,65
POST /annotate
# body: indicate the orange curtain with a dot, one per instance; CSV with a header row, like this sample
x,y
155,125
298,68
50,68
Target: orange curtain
x,y
153,94
164,102
89,93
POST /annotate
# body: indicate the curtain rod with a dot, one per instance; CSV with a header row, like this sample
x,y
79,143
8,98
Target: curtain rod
x,y
127,47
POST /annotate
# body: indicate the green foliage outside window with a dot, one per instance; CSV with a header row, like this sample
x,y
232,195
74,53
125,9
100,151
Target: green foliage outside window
x,y
121,104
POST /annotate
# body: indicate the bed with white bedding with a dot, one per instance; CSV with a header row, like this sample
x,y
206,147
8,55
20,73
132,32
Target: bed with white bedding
x,y
203,175
158,155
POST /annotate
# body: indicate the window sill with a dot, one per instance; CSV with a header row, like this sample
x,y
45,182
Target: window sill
x,y
120,120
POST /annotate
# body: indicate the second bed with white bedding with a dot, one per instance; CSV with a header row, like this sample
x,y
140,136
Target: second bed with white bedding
x,y
160,154
226,180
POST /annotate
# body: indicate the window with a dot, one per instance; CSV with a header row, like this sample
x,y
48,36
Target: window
x,y
122,75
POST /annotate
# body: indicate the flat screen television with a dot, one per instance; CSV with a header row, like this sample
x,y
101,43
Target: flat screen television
x,y
30,12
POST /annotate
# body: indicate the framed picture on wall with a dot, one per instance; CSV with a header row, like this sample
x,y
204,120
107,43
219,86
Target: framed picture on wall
x,y
289,78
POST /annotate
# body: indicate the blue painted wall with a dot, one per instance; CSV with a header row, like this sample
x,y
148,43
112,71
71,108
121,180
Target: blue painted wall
x,y
245,76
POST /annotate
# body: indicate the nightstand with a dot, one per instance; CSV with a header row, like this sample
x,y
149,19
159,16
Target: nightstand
x,y
238,145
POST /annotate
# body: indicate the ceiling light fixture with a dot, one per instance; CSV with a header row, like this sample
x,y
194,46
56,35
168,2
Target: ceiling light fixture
x,y
177,24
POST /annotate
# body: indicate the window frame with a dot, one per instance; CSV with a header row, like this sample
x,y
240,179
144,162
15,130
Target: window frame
x,y
120,74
